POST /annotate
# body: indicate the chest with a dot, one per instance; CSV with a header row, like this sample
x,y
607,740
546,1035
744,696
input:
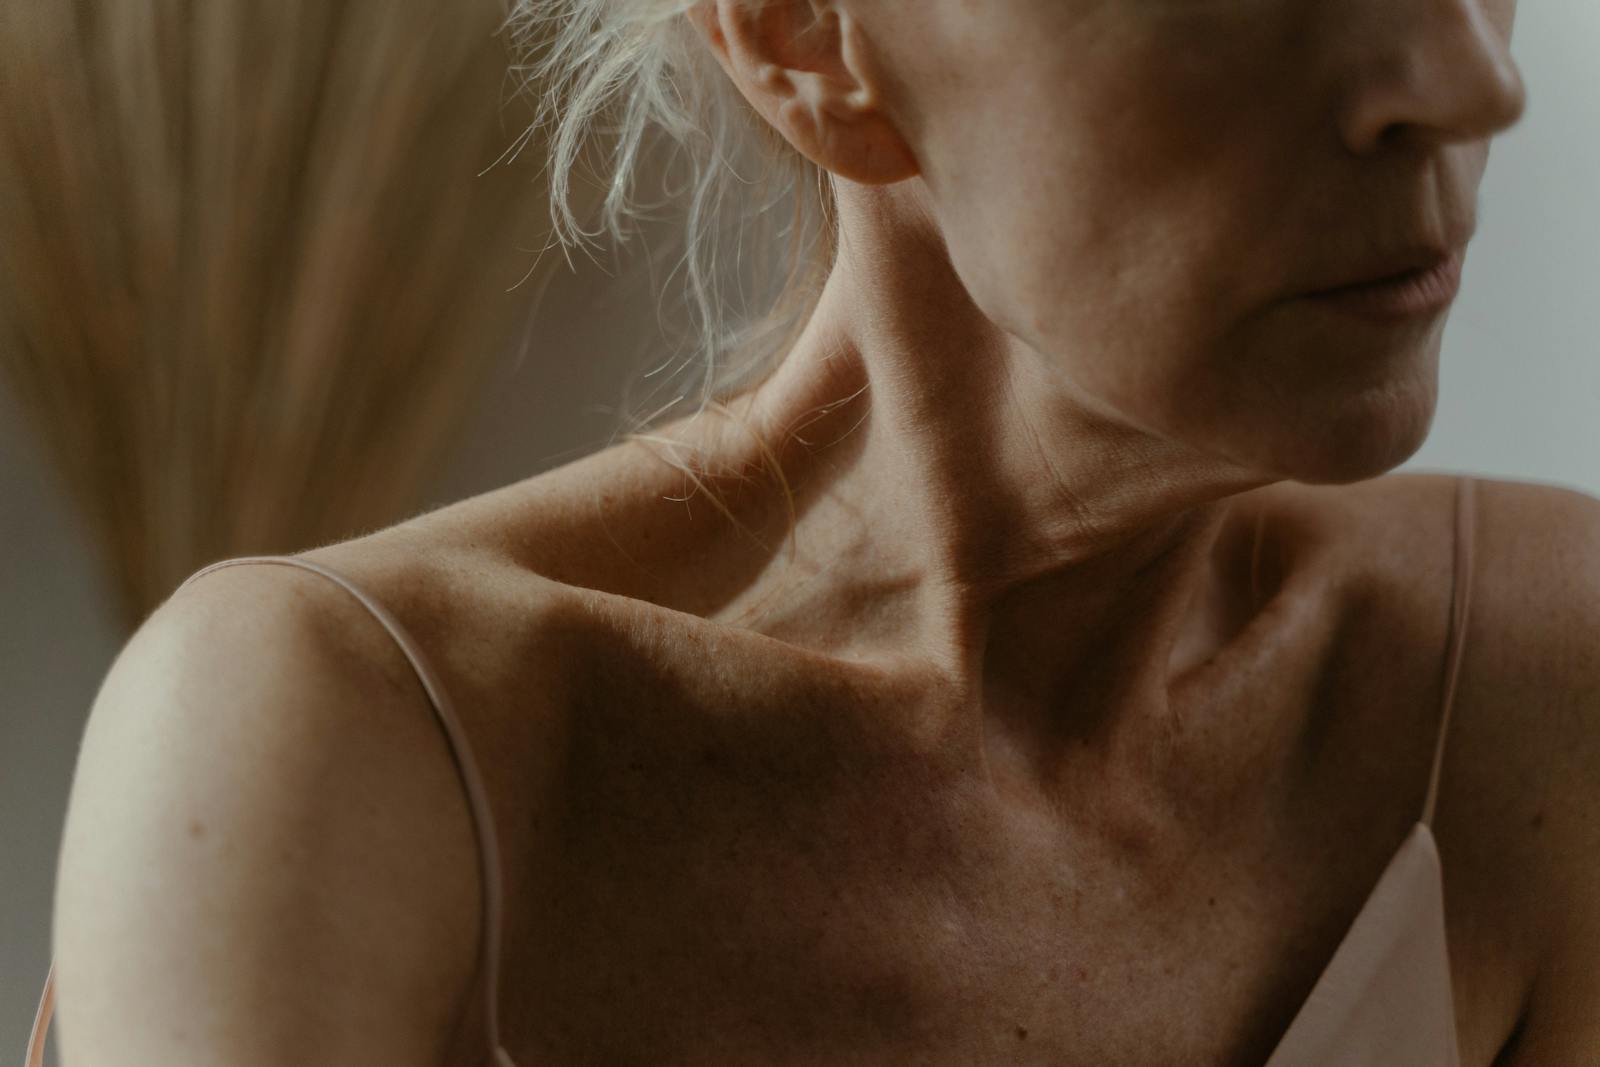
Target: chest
x,y
790,894
736,869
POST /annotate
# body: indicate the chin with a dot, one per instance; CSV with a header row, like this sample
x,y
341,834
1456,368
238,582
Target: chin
x,y
1354,451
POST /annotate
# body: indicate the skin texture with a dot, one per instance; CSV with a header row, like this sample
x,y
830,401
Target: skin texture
x,y
1101,686
1063,340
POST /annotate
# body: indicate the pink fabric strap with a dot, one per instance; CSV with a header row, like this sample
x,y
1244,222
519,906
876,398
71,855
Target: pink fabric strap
x,y
41,1020
1461,597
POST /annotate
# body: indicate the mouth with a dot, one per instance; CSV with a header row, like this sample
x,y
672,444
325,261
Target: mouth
x,y
1401,296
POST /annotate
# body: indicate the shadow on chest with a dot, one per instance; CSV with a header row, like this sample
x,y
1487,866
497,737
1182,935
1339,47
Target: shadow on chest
x,y
779,880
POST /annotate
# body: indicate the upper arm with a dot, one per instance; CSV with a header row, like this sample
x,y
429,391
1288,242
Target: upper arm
x,y
266,858
1549,683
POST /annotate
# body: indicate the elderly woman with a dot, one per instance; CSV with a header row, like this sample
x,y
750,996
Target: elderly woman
x,y
1109,704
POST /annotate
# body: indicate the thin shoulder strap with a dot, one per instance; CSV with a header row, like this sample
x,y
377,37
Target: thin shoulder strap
x,y
477,803
41,1020
1466,501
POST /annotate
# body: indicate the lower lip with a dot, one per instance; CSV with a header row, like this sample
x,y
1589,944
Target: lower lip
x,y
1417,293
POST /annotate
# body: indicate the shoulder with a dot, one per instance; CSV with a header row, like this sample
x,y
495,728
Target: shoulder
x,y
1537,569
264,818
1535,561
1531,648
1522,774
1534,659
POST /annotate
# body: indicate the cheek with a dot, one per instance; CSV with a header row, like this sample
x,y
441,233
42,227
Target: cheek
x,y
1121,192
1071,252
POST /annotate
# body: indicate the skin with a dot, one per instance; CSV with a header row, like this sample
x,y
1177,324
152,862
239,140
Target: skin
x,y
1072,677
1072,684
1065,336
1050,761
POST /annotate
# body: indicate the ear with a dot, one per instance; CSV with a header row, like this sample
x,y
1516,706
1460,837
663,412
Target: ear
x,y
799,63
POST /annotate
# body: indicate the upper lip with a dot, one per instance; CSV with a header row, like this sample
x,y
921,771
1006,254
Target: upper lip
x,y
1391,266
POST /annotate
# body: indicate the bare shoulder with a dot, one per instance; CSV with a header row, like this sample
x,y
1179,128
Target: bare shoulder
x,y
1521,780
1518,838
1530,707
264,817
236,854
499,638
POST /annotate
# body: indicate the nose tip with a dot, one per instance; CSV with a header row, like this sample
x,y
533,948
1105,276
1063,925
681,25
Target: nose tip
x,y
1447,78
1515,94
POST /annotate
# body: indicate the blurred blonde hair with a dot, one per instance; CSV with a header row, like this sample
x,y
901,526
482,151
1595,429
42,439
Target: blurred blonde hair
x,y
641,66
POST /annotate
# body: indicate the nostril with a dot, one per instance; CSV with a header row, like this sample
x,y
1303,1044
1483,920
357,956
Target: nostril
x,y
1395,135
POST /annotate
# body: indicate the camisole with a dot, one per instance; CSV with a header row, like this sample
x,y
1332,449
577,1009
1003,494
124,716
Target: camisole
x,y
1383,998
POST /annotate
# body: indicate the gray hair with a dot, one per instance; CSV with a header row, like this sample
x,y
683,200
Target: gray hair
x,y
644,61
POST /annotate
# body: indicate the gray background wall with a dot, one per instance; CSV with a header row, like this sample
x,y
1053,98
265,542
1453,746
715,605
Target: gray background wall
x,y
1520,399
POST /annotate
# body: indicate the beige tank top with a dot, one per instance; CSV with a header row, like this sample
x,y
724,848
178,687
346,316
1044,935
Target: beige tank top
x,y
1383,998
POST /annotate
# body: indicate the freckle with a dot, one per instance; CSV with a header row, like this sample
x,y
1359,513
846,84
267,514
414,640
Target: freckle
x,y
196,829
1538,819
1022,1033
1212,901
